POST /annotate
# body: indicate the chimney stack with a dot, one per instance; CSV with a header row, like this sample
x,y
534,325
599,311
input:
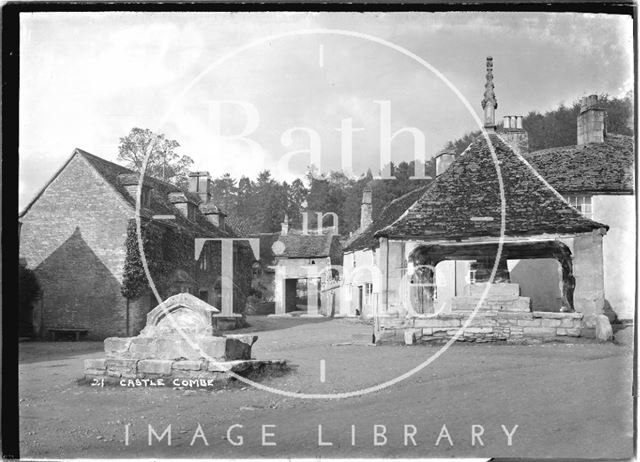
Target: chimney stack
x,y
443,160
489,101
514,134
213,214
591,121
199,183
366,209
285,225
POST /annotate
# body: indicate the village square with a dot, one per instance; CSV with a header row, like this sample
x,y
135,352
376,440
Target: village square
x,y
476,302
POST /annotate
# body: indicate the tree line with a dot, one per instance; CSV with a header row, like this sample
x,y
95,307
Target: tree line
x,y
260,205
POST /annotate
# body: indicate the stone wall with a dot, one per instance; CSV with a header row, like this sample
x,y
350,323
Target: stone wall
x,y
73,236
204,372
588,270
488,326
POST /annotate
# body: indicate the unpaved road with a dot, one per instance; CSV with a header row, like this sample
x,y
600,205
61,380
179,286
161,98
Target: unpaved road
x,y
568,400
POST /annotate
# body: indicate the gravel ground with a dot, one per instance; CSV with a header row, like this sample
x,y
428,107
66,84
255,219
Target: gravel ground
x,y
568,400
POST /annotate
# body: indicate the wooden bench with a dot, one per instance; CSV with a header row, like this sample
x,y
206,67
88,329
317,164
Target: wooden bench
x,y
54,331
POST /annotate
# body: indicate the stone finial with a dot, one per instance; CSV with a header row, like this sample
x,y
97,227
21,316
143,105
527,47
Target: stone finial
x,y
489,101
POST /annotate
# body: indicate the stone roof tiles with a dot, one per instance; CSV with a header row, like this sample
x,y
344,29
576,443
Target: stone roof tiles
x,y
464,201
593,168
390,213
160,203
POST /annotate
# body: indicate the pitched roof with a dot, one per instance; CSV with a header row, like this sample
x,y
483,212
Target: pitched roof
x,y
118,177
306,245
464,201
593,168
390,213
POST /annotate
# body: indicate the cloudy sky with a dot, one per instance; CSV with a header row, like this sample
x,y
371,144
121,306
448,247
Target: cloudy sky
x,y
88,78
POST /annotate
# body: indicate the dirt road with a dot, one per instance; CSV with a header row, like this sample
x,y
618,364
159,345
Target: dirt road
x,y
567,400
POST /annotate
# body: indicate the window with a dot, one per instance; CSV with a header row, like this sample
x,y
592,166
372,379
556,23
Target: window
x,y
145,198
582,204
191,212
473,269
204,259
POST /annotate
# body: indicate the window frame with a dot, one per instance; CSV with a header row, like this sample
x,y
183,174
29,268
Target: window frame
x,y
583,203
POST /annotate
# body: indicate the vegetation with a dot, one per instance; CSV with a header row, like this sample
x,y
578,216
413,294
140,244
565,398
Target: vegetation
x,y
29,292
163,162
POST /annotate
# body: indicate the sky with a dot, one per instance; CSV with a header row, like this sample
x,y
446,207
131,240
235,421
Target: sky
x,y
86,79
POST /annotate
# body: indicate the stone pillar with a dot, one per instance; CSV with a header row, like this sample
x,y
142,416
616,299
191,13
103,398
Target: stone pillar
x,y
384,270
588,270
279,290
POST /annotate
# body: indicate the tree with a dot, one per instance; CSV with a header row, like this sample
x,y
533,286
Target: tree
x,y
29,292
163,163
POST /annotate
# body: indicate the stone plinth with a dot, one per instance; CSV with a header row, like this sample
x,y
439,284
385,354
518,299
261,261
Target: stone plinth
x,y
500,297
486,326
178,342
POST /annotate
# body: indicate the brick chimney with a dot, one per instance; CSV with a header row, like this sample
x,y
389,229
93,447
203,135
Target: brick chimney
x,y
199,183
184,204
213,214
366,208
444,159
591,121
131,181
514,134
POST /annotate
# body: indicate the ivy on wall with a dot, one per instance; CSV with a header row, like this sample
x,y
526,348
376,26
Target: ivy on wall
x,y
167,250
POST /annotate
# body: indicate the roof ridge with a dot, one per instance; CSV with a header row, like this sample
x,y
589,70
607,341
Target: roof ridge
x,y
450,208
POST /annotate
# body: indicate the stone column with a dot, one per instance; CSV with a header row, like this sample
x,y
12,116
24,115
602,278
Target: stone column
x,y
279,289
384,270
588,270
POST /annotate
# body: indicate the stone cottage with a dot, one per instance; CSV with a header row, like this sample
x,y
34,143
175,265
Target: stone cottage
x,y
74,235
596,177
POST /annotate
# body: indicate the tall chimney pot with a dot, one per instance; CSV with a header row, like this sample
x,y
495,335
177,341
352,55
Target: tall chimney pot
x,y
591,122
366,208
199,183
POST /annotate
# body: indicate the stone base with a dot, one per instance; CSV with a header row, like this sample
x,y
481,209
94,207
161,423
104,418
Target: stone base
x,y
228,347
161,372
487,326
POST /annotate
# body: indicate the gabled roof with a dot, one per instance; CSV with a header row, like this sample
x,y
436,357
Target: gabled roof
x,y
390,213
117,176
464,201
593,168
307,245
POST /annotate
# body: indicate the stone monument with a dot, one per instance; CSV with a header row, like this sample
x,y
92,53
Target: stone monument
x,y
179,342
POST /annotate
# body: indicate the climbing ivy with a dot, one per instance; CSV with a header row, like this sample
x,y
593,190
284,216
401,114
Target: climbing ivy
x,y
165,251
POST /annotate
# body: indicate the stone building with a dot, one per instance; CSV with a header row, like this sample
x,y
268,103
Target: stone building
x,y
296,271
74,233
361,259
596,177
424,263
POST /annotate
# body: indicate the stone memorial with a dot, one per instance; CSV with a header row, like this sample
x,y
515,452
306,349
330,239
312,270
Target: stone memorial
x,y
179,341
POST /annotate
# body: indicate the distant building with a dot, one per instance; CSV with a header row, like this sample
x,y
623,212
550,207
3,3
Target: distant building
x,y
73,235
296,272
